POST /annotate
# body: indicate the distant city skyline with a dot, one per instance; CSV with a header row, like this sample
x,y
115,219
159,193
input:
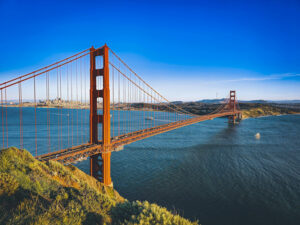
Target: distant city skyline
x,y
186,50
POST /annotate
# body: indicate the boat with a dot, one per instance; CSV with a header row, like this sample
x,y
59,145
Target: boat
x,y
257,135
149,118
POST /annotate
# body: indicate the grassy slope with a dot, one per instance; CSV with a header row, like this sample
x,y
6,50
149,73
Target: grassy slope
x,y
32,192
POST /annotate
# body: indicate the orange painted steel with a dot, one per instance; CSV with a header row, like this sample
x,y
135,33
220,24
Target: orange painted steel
x,y
232,107
93,99
106,101
106,120
100,163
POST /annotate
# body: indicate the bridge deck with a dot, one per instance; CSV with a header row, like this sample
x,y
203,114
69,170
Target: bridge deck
x,y
81,152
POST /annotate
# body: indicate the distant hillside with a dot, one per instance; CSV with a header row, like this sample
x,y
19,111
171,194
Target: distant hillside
x,y
177,102
211,101
286,101
32,192
218,101
254,101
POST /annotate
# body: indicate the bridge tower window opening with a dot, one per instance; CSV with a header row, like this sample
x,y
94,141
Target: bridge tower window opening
x,y
99,62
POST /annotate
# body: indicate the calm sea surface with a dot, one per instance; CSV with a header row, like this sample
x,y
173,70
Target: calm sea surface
x,y
216,173
212,172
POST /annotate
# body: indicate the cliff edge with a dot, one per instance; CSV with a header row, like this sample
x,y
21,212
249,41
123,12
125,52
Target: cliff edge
x,y
34,192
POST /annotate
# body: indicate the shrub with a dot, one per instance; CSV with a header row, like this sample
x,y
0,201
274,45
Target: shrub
x,y
145,213
8,184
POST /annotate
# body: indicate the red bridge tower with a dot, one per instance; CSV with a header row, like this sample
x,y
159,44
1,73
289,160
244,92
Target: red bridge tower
x,y
232,107
100,163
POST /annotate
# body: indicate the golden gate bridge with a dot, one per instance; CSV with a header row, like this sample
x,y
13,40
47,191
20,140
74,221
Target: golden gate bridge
x,y
89,105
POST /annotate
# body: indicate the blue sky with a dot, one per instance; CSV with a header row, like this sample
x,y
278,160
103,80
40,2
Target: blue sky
x,y
187,50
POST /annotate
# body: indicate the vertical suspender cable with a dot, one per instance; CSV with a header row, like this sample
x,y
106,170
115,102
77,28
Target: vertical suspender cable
x,y
48,111
68,99
144,109
124,105
130,105
77,105
2,117
81,128
119,103
61,106
20,111
112,70
85,110
71,80
35,126
6,118
57,102
139,100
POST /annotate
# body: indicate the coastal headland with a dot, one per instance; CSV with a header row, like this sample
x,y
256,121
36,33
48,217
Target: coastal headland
x,y
34,192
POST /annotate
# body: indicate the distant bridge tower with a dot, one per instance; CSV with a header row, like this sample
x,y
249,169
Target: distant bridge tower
x,y
232,107
100,163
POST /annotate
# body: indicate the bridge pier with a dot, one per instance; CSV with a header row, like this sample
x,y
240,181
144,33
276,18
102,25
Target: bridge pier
x,y
100,167
232,119
100,163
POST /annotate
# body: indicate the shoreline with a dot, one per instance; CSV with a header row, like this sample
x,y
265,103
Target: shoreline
x,y
76,107
255,117
247,113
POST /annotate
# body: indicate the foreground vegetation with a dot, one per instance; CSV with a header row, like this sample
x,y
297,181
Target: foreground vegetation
x,y
33,192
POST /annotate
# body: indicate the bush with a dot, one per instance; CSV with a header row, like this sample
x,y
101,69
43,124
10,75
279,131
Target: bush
x,y
8,184
145,213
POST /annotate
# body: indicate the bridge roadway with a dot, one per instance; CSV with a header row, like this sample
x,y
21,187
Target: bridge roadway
x,y
81,152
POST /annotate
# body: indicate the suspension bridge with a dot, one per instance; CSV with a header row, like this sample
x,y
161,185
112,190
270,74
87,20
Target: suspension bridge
x,y
87,106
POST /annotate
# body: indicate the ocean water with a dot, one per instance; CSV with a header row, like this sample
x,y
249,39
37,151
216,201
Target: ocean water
x,y
216,173
210,171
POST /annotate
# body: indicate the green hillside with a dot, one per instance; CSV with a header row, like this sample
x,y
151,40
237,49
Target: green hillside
x,y
33,192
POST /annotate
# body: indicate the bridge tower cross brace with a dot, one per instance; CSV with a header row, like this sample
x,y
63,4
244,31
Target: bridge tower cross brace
x,y
232,106
100,163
